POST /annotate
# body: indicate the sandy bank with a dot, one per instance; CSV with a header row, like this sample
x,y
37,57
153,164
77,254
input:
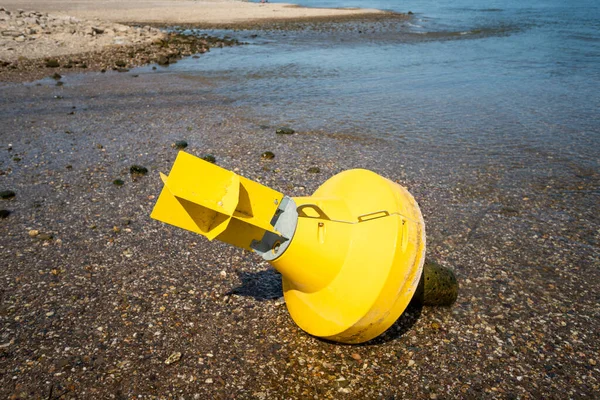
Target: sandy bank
x,y
180,11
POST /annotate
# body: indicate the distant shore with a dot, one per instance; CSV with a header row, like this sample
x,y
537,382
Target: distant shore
x,y
172,12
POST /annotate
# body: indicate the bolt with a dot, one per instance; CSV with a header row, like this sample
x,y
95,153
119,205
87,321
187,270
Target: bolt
x,y
276,202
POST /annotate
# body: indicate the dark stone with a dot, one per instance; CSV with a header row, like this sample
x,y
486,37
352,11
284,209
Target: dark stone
x,y
438,285
314,170
4,213
267,155
56,76
138,170
210,158
118,182
122,70
120,63
162,60
59,83
17,159
52,63
7,194
284,130
180,144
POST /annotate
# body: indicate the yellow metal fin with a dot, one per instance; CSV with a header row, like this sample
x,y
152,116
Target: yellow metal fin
x,y
219,204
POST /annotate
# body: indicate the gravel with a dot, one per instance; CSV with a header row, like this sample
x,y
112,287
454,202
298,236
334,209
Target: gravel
x,y
97,308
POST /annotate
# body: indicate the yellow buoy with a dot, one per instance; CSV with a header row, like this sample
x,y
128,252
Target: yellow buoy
x,y
351,255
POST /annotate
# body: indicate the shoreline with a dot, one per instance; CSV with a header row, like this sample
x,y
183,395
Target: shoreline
x,y
35,44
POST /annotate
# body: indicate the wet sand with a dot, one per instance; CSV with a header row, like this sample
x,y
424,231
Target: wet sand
x,y
97,299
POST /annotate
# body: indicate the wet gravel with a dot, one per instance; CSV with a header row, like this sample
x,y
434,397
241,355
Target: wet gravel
x,y
99,301
164,51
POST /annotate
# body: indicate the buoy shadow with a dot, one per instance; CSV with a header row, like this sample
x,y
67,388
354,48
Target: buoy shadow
x,y
261,285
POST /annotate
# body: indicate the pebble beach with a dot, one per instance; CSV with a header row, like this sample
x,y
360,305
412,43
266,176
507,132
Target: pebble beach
x,y
99,301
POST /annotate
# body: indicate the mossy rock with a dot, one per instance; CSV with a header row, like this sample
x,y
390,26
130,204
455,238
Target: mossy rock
x,y
138,170
284,130
7,194
267,155
52,63
210,158
180,144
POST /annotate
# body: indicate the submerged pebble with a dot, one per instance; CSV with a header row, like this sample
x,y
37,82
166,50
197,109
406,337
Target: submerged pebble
x,y
210,158
267,155
7,194
138,170
180,144
284,130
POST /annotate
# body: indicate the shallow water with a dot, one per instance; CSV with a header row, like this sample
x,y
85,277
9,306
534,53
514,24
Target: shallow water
x,y
494,81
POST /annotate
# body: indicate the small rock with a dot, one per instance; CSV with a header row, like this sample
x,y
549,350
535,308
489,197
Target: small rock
x,y
267,155
7,194
173,358
120,63
4,214
411,363
118,182
284,130
180,144
314,170
45,236
138,170
56,76
208,380
210,158
162,60
34,233
356,356
52,63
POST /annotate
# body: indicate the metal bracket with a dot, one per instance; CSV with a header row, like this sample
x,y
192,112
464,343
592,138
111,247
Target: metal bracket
x,y
284,221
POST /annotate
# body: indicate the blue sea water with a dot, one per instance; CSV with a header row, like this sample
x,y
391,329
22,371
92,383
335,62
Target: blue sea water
x,y
497,80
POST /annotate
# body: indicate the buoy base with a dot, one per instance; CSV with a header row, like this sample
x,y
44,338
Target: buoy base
x,y
356,257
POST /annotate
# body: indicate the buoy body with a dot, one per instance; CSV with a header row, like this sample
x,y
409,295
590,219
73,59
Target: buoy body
x,y
350,256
